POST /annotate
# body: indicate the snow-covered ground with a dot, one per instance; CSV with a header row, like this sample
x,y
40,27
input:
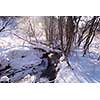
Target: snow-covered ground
x,y
24,64
22,60
86,69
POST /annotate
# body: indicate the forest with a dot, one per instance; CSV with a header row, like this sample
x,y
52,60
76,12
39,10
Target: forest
x,y
49,49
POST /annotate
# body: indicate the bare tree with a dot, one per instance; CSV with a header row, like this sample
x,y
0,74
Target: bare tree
x,y
61,31
91,34
70,27
6,21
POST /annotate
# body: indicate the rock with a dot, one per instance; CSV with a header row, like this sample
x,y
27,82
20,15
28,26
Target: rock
x,y
4,79
29,79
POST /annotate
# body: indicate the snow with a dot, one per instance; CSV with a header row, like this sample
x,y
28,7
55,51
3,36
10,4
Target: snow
x,y
17,61
26,64
44,80
22,59
86,69
65,75
3,63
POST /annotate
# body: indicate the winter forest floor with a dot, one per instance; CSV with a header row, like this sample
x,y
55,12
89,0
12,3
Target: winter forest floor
x,y
24,63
